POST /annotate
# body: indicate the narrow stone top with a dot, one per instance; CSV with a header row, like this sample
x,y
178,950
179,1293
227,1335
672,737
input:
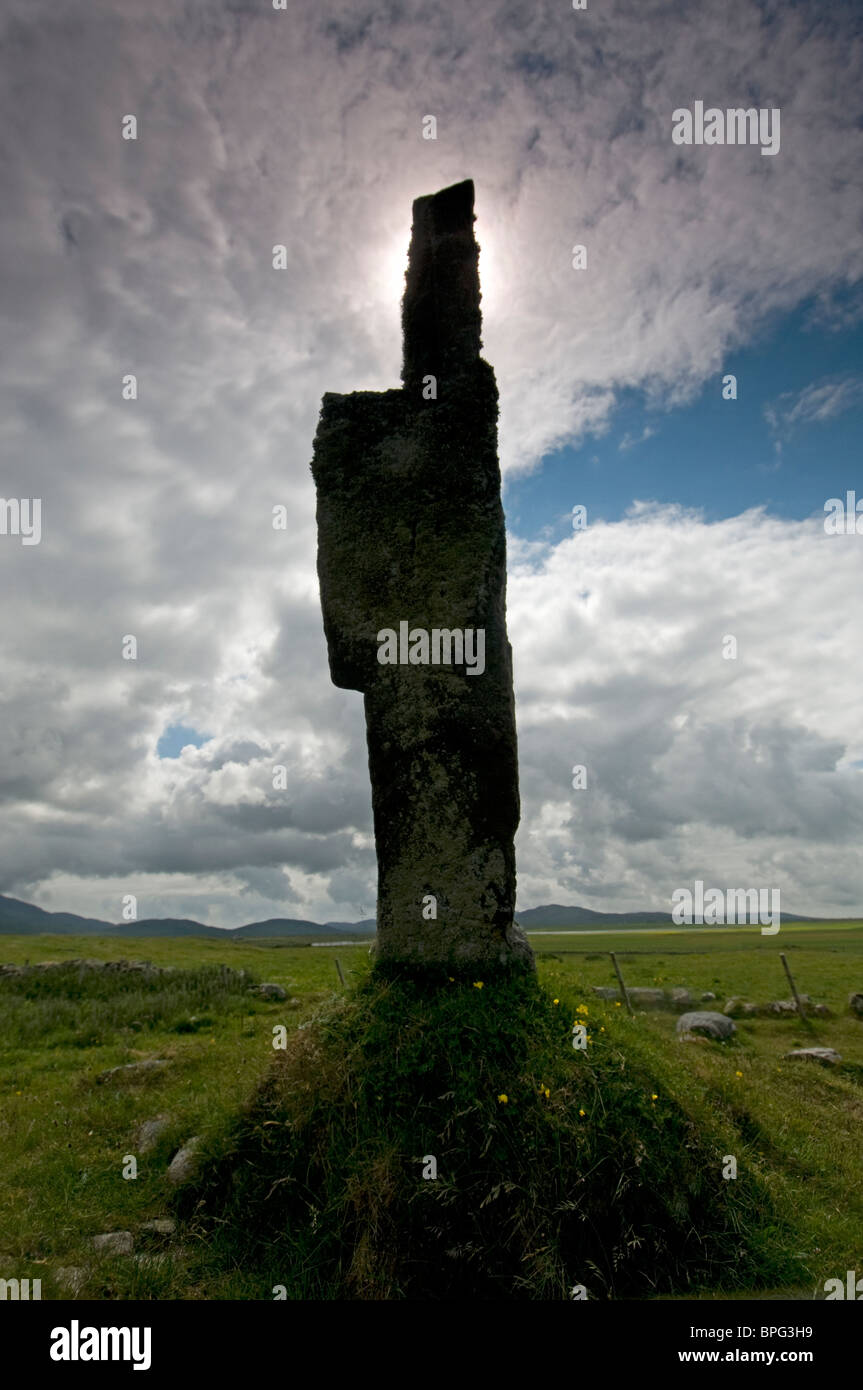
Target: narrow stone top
x,y
441,319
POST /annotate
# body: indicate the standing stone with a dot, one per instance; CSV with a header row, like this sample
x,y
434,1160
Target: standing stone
x,y
411,542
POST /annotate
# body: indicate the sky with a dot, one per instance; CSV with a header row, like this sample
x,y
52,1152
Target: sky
x,y
705,511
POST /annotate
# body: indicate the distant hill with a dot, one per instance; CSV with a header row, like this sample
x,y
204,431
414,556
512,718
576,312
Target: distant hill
x,y
26,919
559,918
284,926
556,916
21,917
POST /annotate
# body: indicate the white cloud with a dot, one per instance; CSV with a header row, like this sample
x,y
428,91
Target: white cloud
x,y
819,401
259,127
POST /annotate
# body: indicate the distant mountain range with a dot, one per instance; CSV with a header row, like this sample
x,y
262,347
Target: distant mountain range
x,y
27,920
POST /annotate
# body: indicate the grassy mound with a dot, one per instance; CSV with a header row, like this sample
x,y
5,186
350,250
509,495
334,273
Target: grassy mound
x,y
554,1167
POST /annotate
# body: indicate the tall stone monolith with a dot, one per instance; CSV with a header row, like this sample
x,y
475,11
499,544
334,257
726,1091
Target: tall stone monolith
x,y
412,568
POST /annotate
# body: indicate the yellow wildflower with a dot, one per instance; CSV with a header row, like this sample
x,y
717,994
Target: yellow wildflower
x,y
582,1112
502,1099
477,984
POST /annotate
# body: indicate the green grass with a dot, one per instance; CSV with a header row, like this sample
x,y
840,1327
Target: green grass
x,y
794,1128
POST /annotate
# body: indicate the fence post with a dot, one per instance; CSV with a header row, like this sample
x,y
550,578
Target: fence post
x,y
792,984
623,988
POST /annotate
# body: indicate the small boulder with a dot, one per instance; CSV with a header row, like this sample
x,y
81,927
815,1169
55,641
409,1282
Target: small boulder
x,y
739,1008
706,1024
183,1163
606,992
822,1011
645,997
150,1132
681,997
708,996
269,991
855,1004
783,1007
161,1226
114,1243
827,1056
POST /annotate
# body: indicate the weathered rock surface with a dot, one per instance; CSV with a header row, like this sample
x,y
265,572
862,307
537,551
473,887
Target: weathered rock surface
x,y
411,531
160,1226
855,1003
269,991
647,996
777,1008
117,967
704,1023
183,1163
114,1243
150,1132
827,1056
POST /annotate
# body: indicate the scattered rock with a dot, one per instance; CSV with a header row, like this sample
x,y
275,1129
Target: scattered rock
x,y
704,1023
783,1006
822,1011
162,1226
114,1243
269,991
11,970
183,1163
71,1278
707,996
739,1008
132,1071
644,997
647,997
827,1056
151,1132
855,1004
